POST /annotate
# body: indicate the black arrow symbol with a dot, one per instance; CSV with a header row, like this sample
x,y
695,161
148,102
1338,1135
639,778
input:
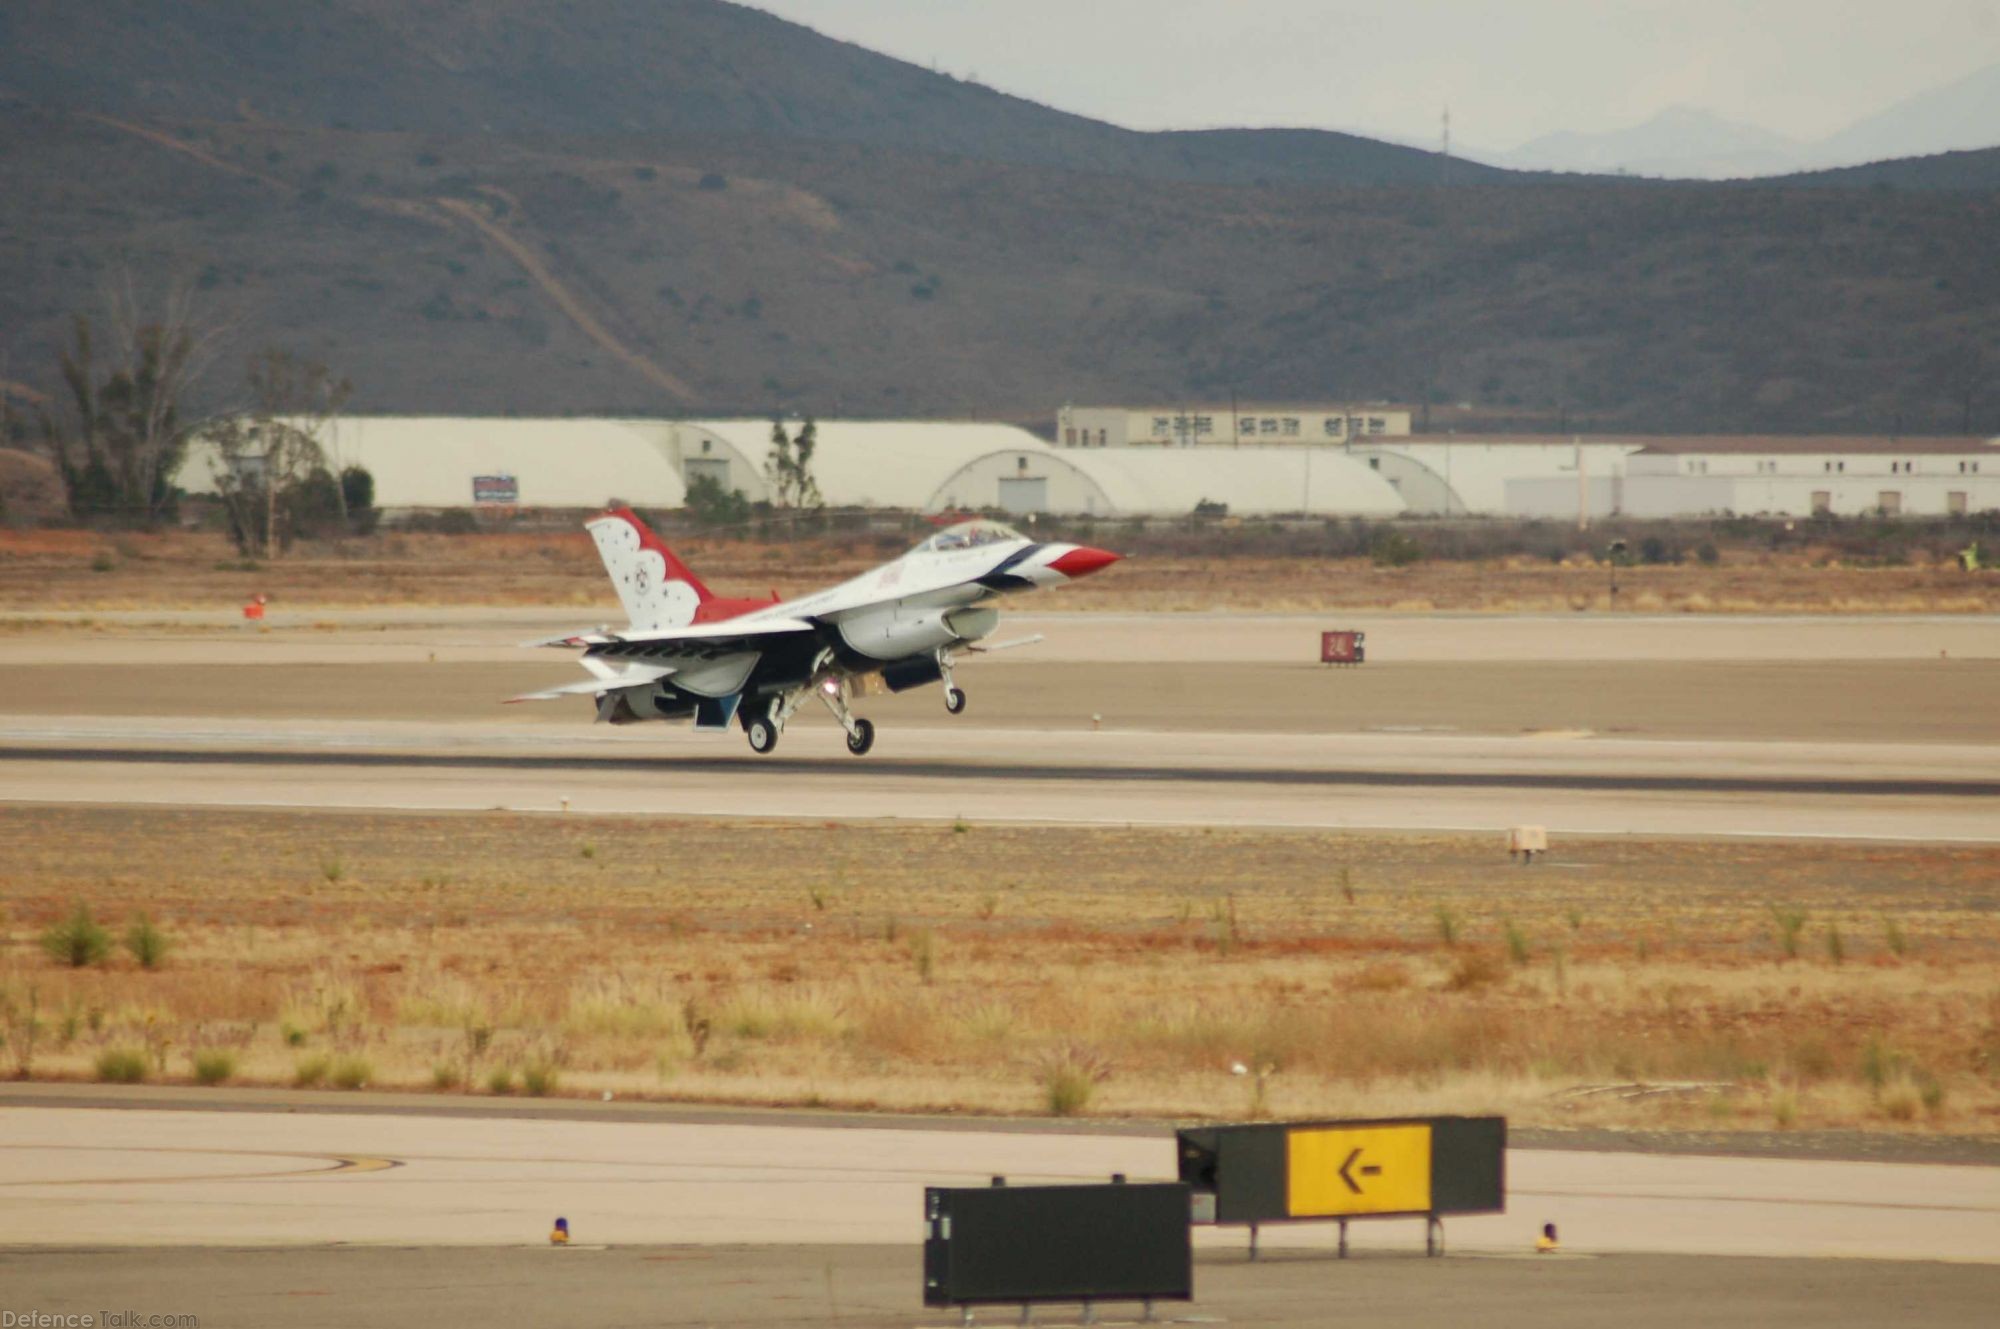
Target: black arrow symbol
x,y
1347,1171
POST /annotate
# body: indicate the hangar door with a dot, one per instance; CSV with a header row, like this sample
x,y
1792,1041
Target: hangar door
x,y
1022,494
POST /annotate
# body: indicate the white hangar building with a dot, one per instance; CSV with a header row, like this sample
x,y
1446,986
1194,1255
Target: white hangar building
x,y
929,466
1780,476
925,466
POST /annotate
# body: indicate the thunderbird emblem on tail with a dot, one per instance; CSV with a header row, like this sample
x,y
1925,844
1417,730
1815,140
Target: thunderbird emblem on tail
x,y
689,654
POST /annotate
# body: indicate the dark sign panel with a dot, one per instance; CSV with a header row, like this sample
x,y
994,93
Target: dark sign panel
x,y
1349,1169
1057,1243
495,489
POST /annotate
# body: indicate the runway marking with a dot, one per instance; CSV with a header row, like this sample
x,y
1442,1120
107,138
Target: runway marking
x,y
928,769
341,1165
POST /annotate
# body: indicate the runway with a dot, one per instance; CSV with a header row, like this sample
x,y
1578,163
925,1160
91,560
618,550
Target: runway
x,y
80,1176
1935,792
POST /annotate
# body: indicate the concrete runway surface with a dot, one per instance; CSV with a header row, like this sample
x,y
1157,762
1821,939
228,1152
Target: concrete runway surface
x,y
85,1176
1939,792
404,1288
1681,726
307,1218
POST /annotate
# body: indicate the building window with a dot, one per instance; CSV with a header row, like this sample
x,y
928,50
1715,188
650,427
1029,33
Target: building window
x,y
1162,426
1069,438
1204,425
1291,428
1335,426
1376,424
1840,466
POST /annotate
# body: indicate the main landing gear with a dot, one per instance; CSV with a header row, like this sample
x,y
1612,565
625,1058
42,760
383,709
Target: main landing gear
x,y
763,730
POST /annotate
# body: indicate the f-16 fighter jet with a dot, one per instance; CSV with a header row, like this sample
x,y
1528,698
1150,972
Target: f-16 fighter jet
x,y
689,654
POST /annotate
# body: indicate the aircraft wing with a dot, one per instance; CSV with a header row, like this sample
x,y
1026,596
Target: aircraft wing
x,y
625,660
699,640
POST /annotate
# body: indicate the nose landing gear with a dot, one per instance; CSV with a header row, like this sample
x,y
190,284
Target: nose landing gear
x,y
954,699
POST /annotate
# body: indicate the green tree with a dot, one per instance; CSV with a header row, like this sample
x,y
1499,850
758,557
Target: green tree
x,y
789,467
711,504
271,461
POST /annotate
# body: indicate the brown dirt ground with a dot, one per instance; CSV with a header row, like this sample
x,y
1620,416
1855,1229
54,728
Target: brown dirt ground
x,y
1000,969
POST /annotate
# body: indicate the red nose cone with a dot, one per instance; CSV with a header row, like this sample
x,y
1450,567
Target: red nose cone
x,y
1083,560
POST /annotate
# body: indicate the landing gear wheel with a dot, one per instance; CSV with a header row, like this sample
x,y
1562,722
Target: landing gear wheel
x,y
954,700
863,737
763,736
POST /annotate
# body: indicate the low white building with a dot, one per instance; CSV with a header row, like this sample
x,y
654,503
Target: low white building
x,y
1780,477
1239,425
457,462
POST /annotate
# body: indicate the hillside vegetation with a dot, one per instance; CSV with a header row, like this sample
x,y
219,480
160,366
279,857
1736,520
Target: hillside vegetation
x,y
693,207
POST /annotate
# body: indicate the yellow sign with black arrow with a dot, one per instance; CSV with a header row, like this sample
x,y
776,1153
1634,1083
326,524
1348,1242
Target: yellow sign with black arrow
x,y
1331,1172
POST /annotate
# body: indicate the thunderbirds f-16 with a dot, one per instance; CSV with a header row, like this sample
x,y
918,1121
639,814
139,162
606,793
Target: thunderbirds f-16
x,y
689,654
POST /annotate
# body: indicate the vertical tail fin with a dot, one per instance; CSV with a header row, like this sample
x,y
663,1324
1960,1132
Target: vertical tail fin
x,y
655,587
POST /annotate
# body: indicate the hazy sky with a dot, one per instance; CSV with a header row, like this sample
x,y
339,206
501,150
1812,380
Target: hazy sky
x,y
1510,69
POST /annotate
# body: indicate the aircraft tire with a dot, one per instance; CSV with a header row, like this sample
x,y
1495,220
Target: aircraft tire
x,y
863,737
954,700
763,736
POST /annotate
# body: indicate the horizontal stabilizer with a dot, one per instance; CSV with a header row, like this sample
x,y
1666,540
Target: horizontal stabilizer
x,y
581,637
606,679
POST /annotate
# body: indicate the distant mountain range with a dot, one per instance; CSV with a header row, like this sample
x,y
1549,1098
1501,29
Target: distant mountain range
x,y
1683,142
660,206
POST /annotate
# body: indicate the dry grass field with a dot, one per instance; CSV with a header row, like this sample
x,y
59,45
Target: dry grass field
x,y
974,968
74,570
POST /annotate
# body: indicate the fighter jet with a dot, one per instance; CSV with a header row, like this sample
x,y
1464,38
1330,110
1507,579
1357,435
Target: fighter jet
x,y
690,654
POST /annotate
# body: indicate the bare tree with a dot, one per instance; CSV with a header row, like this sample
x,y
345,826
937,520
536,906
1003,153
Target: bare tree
x,y
119,437
789,467
274,455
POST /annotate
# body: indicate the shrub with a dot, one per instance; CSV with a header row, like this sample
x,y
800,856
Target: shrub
x,y
539,1077
445,1075
121,1065
214,1065
1836,948
1393,549
500,1080
78,940
1447,926
1788,924
1893,938
351,1072
923,953
309,1071
1068,1084
146,942
1517,941
1474,970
